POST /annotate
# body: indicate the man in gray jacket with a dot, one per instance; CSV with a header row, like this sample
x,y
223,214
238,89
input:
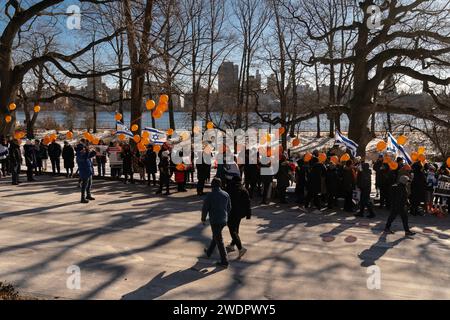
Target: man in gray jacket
x,y
218,205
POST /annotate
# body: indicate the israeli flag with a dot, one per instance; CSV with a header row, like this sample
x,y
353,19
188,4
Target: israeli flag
x,y
398,150
156,136
122,129
342,140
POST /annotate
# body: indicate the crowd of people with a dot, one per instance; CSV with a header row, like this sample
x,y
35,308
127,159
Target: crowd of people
x,y
319,180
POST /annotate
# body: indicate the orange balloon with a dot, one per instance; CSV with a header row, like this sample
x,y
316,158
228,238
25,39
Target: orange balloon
x,y
118,117
37,109
170,132
387,159
141,147
95,141
393,165
150,104
210,125
406,167
421,150
295,142
307,157
137,138
381,146
334,159
268,137
164,98
164,106
145,141
269,152
448,162
156,114
157,148
46,140
8,118
402,140
86,135
322,157
145,134
180,167
134,127
122,137
69,135
282,130
12,106
345,157
53,136
422,157
414,156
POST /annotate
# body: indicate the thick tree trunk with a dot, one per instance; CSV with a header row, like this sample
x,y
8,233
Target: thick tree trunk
x,y
358,130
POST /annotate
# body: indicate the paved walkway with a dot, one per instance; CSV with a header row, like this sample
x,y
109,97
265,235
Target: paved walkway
x,y
131,244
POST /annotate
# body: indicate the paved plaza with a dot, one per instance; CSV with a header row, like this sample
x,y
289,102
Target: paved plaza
x,y
131,244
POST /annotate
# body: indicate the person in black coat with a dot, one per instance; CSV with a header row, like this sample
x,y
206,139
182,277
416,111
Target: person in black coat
x,y
250,173
164,172
364,183
315,175
203,166
30,159
15,161
332,183
54,152
240,208
348,185
418,188
127,166
68,154
150,164
398,206
283,178
377,168
43,157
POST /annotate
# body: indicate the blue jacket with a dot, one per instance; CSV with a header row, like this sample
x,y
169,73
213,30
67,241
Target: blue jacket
x,y
84,162
218,205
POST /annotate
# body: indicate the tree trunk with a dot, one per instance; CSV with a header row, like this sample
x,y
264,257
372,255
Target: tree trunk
x,y
358,119
318,126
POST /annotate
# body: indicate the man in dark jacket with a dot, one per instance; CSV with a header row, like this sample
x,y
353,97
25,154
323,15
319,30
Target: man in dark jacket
x,y
314,182
300,180
348,184
85,170
218,206
240,208
250,173
150,165
203,171
54,152
398,206
30,159
364,183
15,161
418,188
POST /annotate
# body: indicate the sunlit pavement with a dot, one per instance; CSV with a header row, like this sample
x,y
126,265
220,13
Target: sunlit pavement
x,y
131,244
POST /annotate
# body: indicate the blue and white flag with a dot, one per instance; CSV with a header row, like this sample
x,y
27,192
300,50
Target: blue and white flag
x,y
156,136
122,129
342,140
398,150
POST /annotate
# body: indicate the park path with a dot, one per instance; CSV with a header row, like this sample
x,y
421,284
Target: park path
x,y
131,244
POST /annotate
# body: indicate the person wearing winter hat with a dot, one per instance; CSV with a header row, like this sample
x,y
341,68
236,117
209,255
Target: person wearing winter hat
x,y
398,206
30,159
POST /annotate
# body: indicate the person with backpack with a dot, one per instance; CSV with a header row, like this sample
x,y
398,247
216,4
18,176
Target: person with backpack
x,y
240,208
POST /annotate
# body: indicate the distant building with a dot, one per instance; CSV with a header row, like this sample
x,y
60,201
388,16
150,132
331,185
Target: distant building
x,y
228,78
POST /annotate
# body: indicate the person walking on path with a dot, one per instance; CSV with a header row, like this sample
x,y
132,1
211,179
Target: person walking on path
x,y
217,205
68,155
15,160
86,171
398,206
30,159
240,208
364,183
54,152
